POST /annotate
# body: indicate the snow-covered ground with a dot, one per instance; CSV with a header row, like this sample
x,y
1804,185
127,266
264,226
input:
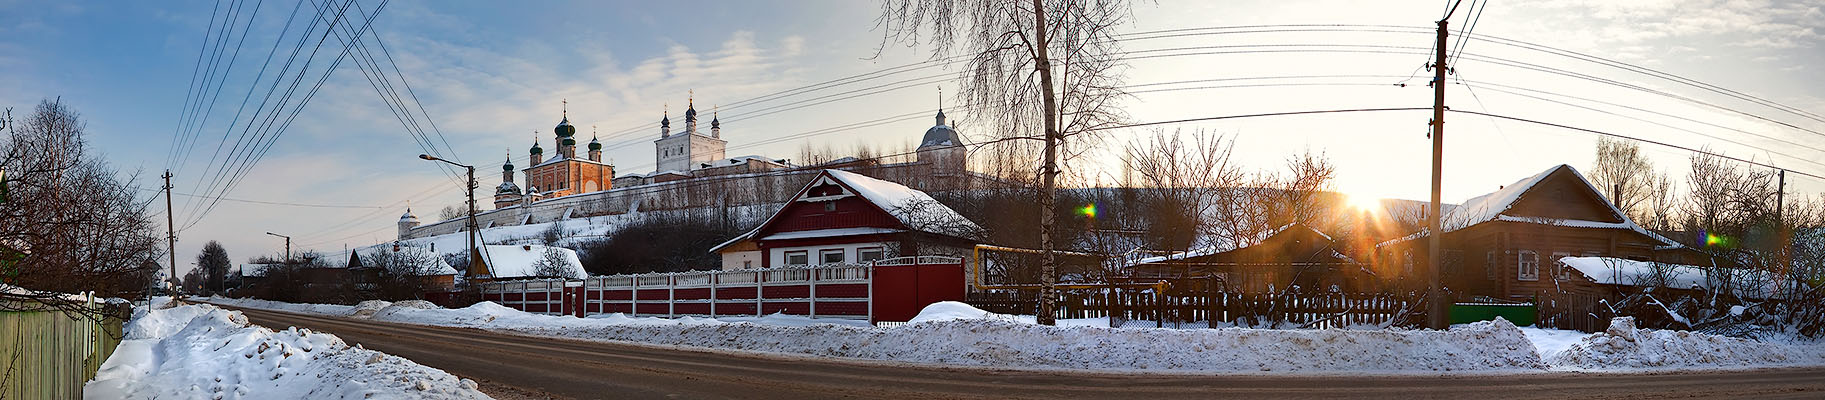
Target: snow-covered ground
x,y
202,352
957,334
1623,347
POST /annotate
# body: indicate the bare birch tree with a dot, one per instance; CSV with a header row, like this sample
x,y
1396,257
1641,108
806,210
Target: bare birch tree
x,y
1038,70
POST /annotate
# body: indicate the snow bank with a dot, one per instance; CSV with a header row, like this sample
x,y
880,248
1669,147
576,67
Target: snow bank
x,y
200,351
958,334
324,309
1623,346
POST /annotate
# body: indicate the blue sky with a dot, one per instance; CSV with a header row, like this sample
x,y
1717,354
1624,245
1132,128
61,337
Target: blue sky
x,y
490,75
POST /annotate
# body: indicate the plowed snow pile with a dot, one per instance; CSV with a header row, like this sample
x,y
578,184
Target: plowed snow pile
x,y
202,352
957,334
1624,347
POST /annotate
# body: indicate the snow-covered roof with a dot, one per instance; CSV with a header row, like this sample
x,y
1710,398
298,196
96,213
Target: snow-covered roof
x,y
1209,250
739,160
823,233
912,207
1494,206
254,269
516,261
429,263
1625,272
408,217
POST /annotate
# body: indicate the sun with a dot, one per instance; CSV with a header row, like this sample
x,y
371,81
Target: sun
x,y
1363,203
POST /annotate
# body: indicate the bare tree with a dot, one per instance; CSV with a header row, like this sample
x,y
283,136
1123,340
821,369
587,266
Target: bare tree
x,y
451,212
1039,69
1183,185
69,224
553,264
1626,176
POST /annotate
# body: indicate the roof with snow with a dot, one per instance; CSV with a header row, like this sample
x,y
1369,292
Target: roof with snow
x,y
428,263
940,135
1625,272
518,261
1275,238
914,209
739,160
1498,206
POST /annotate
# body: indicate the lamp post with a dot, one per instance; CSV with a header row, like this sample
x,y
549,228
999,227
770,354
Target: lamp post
x,y
287,245
469,272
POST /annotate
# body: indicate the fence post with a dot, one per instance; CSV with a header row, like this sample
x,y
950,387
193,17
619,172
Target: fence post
x,y
759,297
715,278
813,289
671,295
633,308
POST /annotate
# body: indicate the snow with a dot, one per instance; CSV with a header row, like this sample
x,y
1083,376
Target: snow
x,y
911,206
957,334
200,351
517,261
431,264
1623,347
836,232
1625,272
1549,342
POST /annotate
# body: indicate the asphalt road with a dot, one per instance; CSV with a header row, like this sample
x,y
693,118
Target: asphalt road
x,y
514,366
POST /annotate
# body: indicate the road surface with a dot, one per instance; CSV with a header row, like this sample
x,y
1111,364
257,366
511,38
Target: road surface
x,y
514,366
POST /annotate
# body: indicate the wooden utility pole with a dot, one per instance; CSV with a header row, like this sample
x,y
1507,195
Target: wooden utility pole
x,y
1435,299
170,231
474,258
1048,259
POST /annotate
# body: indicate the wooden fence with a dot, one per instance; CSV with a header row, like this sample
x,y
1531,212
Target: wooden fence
x,y
1211,308
1573,311
50,354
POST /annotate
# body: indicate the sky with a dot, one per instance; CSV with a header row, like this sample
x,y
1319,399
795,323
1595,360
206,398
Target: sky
x,y
494,78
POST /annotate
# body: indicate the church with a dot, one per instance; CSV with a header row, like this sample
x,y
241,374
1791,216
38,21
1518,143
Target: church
x,y
564,185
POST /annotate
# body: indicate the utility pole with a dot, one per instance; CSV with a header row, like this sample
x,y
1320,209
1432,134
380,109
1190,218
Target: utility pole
x,y
473,257
170,232
287,246
1435,301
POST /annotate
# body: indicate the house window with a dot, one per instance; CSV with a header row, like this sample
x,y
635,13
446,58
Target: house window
x,y
800,257
868,254
745,264
1527,266
829,206
1489,265
831,256
1561,270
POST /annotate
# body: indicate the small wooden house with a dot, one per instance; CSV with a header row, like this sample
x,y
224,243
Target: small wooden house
x,y
845,217
1294,254
1507,244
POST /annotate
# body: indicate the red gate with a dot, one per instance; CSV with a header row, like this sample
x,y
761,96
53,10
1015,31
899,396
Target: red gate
x,y
903,286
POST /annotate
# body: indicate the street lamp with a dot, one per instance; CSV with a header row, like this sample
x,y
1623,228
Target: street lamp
x,y
469,272
287,245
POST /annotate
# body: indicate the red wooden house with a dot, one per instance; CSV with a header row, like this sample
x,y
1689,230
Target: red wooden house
x,y
844,217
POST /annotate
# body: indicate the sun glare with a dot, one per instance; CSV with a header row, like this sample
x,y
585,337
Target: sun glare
x,y
1364,203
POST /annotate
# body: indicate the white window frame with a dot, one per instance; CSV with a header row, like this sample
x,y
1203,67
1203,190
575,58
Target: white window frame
x,y
823,256
1560,270
1527,265
861,254
1490,265
804,257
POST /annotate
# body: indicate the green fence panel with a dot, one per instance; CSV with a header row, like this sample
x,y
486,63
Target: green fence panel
x,y
1519,314
51,354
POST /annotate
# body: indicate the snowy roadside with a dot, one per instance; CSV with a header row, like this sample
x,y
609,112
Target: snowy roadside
x,y
956,334
201,351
